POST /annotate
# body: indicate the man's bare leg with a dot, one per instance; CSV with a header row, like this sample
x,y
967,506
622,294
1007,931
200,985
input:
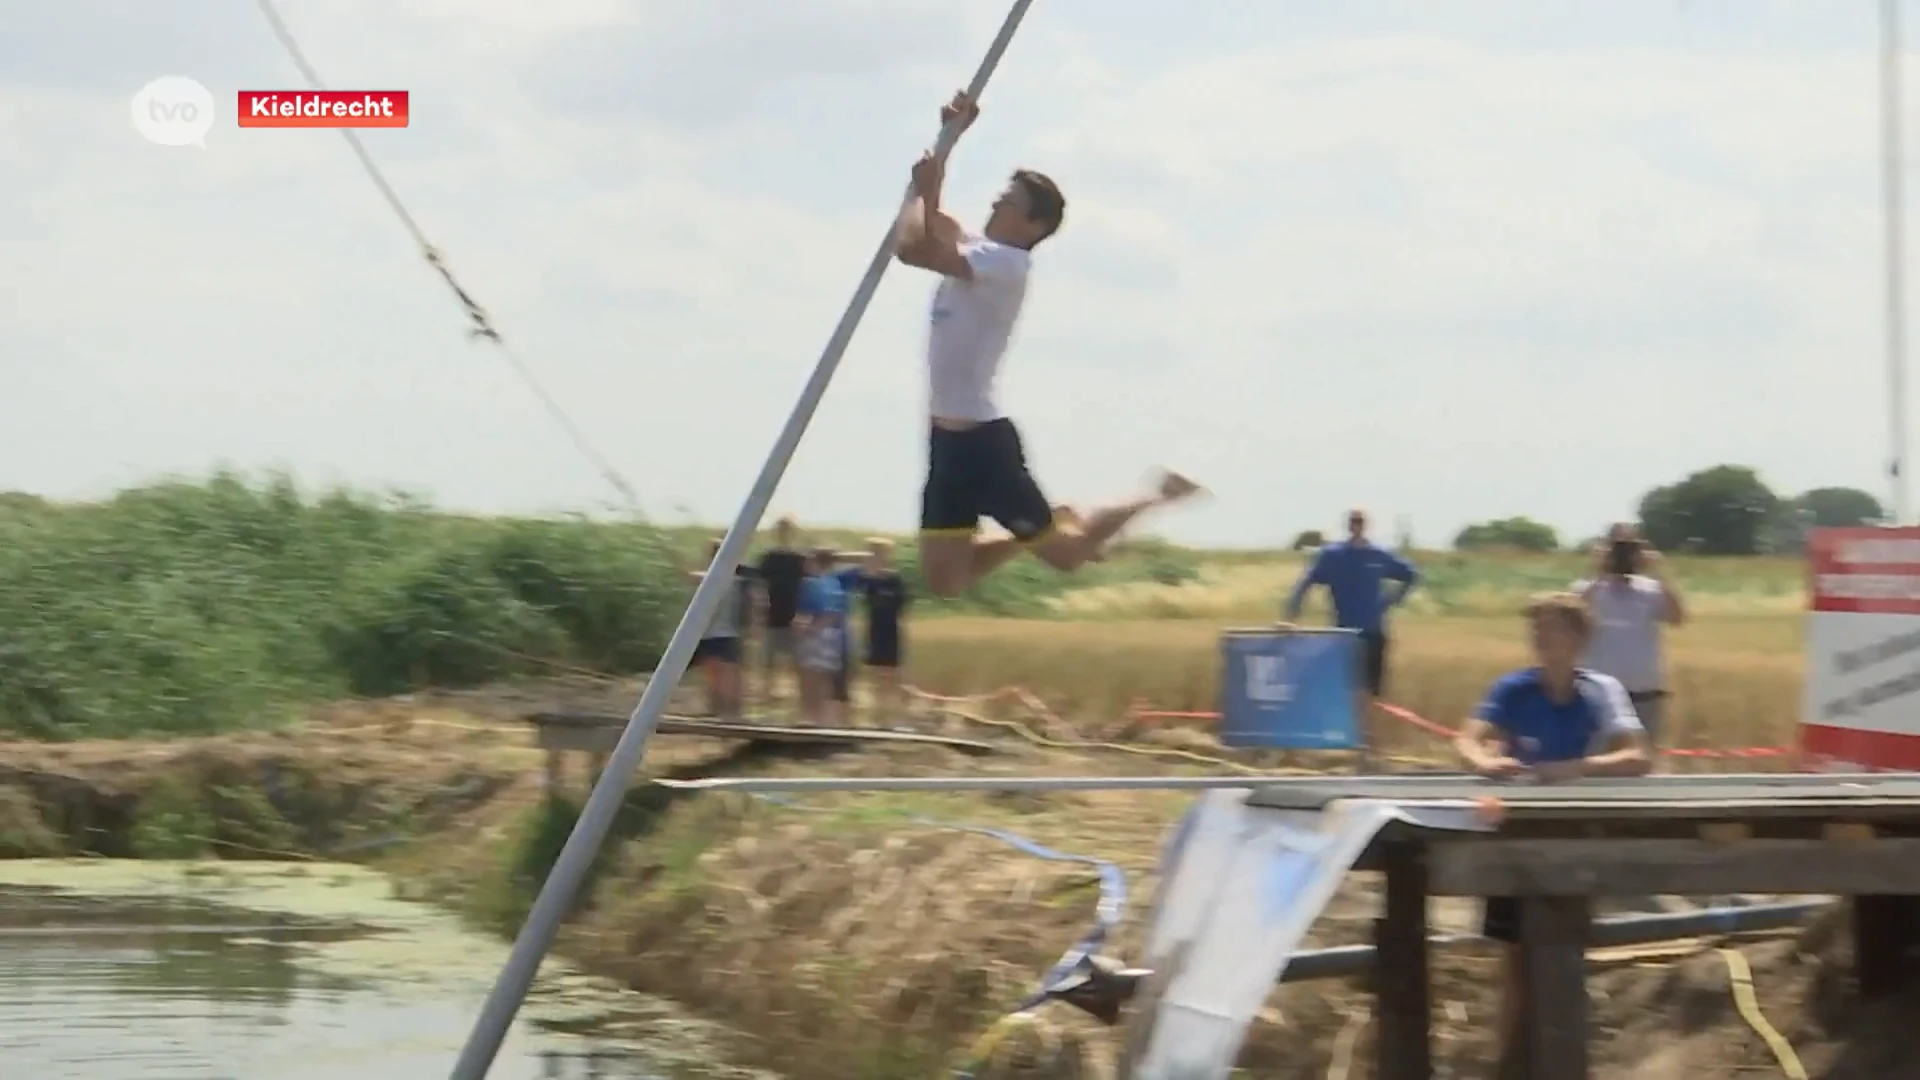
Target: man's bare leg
x,y
1068,550
991,553
1066,517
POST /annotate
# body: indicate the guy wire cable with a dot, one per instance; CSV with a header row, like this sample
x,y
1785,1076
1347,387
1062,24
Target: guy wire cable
x,y
482,325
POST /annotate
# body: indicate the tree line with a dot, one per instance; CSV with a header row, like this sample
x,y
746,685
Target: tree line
x,y
1724,510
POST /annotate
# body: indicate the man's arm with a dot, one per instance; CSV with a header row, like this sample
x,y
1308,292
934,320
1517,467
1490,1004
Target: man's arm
x,y
1479,746
1625,755
923,232
930,239
1404,572
1315,575
1482,740
1672,611
925,237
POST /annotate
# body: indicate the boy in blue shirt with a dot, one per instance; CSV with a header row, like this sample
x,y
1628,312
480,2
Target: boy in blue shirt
x,y
825,645
1549,723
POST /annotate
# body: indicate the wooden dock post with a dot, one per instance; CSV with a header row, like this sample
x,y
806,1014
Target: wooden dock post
x,y
1885,931
1553,960
1403,1029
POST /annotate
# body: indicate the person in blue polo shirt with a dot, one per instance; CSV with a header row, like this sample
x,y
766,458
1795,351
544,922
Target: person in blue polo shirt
x,y
1355,572
1549,723
821,619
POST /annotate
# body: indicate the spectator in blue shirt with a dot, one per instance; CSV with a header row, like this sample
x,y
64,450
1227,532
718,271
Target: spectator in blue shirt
x,y
1355,573
823,607
850,580
1550,723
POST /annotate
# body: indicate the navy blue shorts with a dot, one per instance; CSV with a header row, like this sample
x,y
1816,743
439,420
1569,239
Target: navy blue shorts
x,y
981,472
723,649
883,648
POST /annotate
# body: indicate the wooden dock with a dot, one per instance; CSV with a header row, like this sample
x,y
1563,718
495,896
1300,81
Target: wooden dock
x,y
1559,847
595,734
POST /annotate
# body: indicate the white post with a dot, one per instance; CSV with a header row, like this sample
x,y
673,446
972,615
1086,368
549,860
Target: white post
x,y
1894,243
556,895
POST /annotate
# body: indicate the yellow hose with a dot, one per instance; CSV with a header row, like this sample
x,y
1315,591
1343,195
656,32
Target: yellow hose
x,y
1744,999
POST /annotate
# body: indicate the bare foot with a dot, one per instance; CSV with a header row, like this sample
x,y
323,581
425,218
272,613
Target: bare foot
x,y
1174,486
1070,519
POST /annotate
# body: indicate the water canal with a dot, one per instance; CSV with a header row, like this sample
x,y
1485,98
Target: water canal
x,y
237,971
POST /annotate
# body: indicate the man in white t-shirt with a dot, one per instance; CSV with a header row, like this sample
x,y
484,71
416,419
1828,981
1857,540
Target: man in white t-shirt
x,y
976,464
1631,601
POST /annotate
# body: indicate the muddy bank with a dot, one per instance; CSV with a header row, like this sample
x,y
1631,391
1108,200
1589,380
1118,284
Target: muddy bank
x,y
852,936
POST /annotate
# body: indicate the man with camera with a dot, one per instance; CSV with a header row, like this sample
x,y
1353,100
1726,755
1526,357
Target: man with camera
x,y
1631,600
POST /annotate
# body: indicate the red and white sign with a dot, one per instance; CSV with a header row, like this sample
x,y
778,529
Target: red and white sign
x,y
1863,650
322,109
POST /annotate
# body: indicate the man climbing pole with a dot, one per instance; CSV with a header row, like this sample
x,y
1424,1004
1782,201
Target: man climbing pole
x,y
976,463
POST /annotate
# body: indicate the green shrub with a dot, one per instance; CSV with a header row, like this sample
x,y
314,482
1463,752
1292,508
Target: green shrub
x,y
181,608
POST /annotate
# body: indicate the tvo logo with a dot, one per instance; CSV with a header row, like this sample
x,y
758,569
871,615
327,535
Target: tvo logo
x,y
173,111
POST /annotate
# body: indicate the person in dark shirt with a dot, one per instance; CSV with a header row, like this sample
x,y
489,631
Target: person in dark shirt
x,y
887,598
782,568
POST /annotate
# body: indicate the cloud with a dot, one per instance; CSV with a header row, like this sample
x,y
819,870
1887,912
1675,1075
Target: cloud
x,y
1510,260
682,67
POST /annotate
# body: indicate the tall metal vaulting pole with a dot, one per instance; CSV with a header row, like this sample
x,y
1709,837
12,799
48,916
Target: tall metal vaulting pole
x,y
1893,198
556,895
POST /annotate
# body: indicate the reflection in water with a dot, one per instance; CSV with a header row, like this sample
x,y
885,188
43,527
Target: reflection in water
x,y
592,1065
128,986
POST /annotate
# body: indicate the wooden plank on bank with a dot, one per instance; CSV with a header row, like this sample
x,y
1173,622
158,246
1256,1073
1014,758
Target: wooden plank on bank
x,y
1571,867
599,732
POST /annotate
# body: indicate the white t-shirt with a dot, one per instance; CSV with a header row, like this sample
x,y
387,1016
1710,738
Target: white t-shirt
x,y
725,622
1627,616
971,326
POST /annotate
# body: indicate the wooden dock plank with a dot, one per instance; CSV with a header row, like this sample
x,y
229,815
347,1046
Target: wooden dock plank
x,y
1620,867
599,732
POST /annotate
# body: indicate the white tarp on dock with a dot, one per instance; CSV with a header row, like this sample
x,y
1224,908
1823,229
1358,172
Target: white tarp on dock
x,y
1239,889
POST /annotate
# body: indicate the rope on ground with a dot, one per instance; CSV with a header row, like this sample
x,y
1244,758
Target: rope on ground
x,y
1142,711
482,324
1032,701
949,706
1740,975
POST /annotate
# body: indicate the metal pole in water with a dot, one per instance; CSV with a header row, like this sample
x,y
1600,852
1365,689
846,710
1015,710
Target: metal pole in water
x,y
556,895
1894,243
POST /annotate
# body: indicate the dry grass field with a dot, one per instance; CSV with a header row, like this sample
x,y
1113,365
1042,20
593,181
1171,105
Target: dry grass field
x,y
1735,666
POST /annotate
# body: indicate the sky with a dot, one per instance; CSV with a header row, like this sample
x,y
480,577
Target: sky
x,y
1446,262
